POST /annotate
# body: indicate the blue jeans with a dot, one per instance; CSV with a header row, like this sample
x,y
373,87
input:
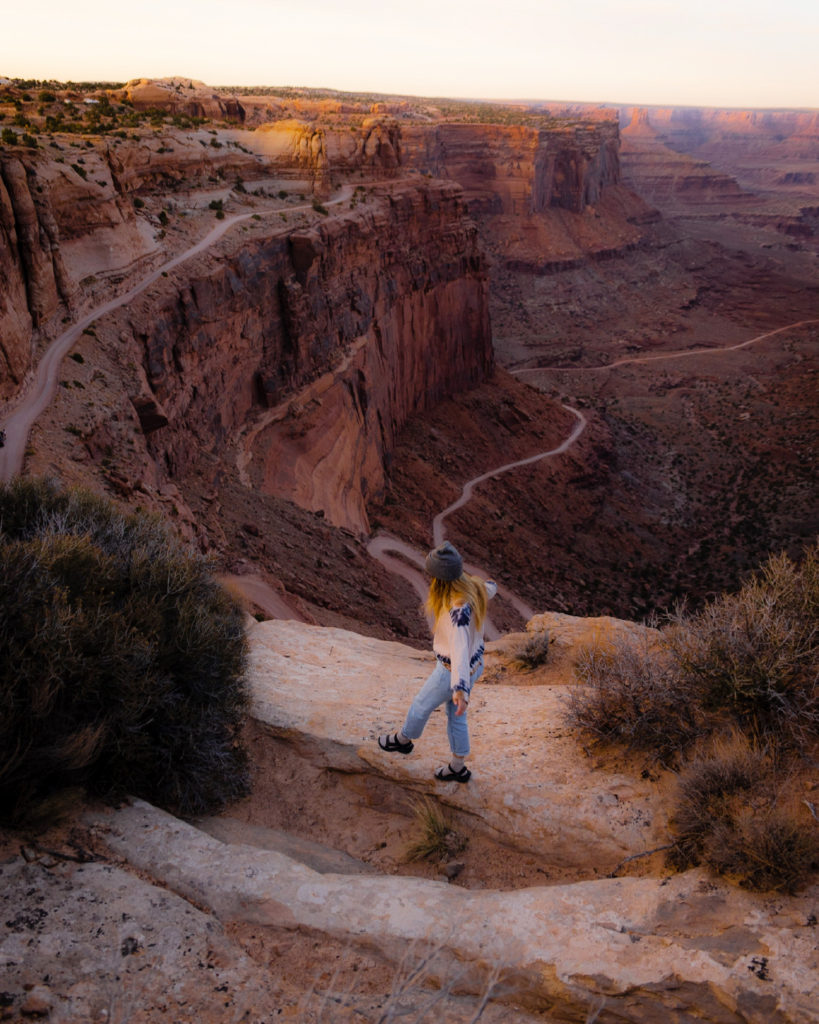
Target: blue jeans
x,y
436,691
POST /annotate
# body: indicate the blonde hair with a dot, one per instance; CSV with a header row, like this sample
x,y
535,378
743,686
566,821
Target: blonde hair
x,y
443,594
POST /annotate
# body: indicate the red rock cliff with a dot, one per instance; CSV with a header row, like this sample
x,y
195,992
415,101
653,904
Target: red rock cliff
x,y
33,273
307,352
515,169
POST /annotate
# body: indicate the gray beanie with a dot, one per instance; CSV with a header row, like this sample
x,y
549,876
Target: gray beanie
x,y
444,562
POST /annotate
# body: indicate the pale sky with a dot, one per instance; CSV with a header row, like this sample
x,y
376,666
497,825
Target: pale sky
x,y
760,53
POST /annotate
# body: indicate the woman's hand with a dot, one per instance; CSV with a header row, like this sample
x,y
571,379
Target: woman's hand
x,y
460,702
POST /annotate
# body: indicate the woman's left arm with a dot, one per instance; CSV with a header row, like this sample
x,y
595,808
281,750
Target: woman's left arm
x,y
460,616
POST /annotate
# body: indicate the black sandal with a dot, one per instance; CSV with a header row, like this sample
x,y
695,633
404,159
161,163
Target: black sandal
x,y
392,744
446,774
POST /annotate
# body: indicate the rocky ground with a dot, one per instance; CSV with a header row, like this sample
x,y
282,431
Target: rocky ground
x,y
298,903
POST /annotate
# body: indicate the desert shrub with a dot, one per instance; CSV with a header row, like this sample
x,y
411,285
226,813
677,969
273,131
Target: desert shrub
x,y
736,813
746,666
121,659
534,651
755,654
634,696
435,837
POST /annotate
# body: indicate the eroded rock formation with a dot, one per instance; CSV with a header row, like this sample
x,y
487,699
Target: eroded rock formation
x,y
315,353
515,169
668,177
184,96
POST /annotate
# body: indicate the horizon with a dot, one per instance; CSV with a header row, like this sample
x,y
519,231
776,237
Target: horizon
x,y
659,53
227,87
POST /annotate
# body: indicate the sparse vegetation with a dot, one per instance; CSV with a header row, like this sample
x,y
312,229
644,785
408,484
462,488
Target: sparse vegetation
x,y
435,837
730,696
121,659
534,651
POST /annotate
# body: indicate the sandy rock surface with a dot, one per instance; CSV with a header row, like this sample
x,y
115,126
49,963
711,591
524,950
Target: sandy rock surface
x,y
95,943
337,691
628,949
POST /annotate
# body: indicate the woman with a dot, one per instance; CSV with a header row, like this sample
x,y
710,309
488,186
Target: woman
x,y
457,603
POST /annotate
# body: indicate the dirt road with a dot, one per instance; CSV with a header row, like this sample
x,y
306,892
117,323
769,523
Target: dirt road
x,y
381,546
18,421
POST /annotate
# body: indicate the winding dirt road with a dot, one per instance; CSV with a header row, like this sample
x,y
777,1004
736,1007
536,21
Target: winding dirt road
x,y
685,353
18,421
383,544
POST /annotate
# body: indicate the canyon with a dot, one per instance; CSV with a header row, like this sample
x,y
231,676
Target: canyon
x,y
404,295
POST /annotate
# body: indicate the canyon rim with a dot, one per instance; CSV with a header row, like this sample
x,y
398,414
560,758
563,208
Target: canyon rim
x,y
293,321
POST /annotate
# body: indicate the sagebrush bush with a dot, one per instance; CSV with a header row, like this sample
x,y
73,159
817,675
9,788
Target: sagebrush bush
x,y
737,812
746,666
122,660
755,654
534,651
634,696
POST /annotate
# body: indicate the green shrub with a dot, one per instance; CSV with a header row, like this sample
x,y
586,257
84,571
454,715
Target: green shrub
x,y
122,660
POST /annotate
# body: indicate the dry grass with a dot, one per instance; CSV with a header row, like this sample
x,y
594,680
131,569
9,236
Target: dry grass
x,y
435,837
739,812
533,652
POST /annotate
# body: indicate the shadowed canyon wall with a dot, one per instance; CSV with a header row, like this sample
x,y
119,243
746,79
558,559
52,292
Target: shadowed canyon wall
x,y
308,351
65,219
299,355
518,170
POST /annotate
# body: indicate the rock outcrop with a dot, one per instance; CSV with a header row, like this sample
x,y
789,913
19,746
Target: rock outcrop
x,y
313,353
518,170
529,788
639,950
35,280
182,96
302,150
670,178
193,919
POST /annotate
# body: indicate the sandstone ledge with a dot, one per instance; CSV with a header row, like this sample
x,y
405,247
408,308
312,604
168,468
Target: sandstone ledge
x,y
631,949
332,692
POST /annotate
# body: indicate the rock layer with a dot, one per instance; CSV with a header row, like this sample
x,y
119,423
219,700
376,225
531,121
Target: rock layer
x,y
315,352
515,169
667,177
646,950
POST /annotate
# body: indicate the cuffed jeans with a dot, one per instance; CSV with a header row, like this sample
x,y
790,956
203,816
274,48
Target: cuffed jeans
x,y
436,691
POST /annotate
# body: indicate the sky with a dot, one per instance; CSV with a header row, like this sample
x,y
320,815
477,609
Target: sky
x,y
718,53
